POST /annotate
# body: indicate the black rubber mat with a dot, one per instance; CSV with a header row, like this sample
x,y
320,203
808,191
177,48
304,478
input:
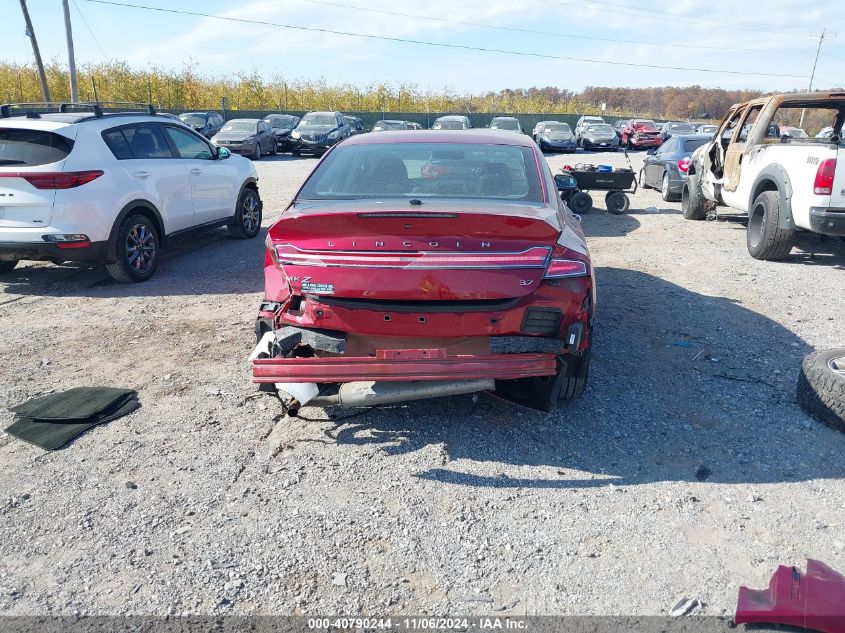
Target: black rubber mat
x,y
54,432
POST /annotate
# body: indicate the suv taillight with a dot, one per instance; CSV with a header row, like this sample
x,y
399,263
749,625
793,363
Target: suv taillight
x,y
823,185
55,180
565,263
683,165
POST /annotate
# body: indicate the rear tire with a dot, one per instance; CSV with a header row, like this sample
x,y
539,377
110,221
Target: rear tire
x,y
581,202
7,266
665,192
765,239
821,387
257,154
692,200
247,221
573,385
137,250
643,183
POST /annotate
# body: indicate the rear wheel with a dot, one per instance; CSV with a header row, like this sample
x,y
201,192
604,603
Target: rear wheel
x,y
643,182
575,380
692,200
136,250
272,151
617,202
665,191
7,266
765,239
247,220
581,202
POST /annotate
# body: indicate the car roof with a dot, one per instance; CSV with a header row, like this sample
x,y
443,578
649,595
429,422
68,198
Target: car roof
x,y
472,136
249,120
451,117
512,118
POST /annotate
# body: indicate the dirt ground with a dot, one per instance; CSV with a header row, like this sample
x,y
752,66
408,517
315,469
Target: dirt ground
x,y
685,470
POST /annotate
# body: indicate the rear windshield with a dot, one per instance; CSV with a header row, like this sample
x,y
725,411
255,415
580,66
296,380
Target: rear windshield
x,y
425,170
194,120
505,124
280,120
318,119
388,125
240,126
692,145
24,148
600,128
558,127
448,125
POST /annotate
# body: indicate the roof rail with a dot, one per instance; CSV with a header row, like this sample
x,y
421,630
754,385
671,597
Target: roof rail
x,y
95,107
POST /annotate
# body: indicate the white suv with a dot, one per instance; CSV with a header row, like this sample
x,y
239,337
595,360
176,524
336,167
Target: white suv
x,y
112,188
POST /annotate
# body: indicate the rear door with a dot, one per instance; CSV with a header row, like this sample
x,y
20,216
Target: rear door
x,y
27,156
145,153
214,182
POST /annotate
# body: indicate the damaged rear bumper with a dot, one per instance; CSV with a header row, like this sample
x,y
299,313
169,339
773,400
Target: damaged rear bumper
x,y
403,364
327,360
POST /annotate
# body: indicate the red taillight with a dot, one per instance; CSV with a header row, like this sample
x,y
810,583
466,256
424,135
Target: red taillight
x,y
565,263
55,180
683,165
823,185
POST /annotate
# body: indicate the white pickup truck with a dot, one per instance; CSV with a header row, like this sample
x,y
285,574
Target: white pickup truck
x,y
757,164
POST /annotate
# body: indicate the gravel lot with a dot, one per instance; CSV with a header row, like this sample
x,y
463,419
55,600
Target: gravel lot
x,y
686,469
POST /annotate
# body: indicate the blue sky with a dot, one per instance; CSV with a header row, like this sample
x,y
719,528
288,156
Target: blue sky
x,y
782,35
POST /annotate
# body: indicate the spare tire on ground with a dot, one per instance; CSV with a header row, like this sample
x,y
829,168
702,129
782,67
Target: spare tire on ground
x,y
821,387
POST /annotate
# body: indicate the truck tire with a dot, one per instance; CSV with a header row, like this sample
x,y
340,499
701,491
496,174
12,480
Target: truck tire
x,y
692,200
821,387
767,241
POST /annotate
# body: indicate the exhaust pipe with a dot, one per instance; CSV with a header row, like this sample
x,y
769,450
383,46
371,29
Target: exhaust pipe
x,y
368,394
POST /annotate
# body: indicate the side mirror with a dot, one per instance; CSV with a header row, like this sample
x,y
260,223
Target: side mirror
x,y
565,183
651,151
223,153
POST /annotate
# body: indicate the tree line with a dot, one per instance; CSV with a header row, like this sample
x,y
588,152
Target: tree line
x,y
170,89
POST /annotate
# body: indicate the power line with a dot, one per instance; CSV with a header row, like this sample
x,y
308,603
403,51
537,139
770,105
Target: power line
x,y
385,38
649,14
87,26
548,33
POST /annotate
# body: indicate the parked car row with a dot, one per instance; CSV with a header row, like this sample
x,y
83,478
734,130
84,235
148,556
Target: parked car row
x,y
316,132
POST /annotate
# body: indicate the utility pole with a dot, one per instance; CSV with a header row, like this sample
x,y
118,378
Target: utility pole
x,y
45,90
74,95
812,74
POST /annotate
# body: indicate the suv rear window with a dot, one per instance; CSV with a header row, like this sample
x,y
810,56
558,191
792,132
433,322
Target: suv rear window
x,y
25,148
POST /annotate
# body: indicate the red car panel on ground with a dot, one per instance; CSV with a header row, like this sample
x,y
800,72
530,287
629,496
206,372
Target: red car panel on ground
x,y
815,600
